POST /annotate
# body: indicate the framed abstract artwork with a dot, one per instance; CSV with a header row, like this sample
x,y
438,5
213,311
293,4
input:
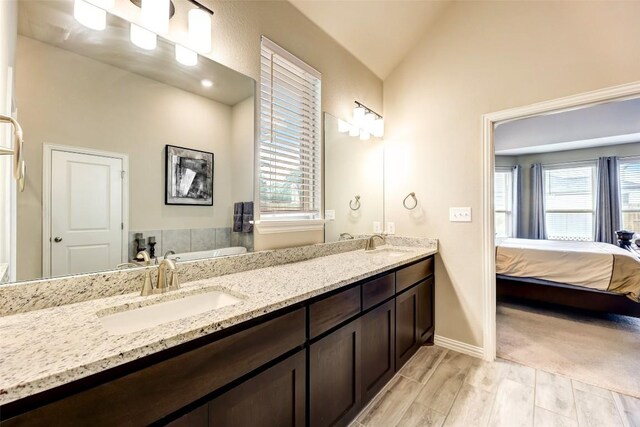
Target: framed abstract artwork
x,y
188,177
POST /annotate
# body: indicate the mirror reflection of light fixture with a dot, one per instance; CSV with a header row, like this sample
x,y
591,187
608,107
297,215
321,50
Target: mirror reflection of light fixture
x,y
18,164
200,30
142,37
186,56
90,15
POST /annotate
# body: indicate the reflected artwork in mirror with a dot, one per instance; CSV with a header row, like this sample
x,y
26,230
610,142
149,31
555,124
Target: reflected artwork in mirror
x,y
354,180
97,112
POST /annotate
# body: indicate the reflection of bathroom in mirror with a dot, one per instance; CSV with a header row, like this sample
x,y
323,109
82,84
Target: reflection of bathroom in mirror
x,y
100,112
354,172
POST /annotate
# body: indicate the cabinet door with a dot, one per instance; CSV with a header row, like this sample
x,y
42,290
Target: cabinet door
x,y
378,349
199,417
273,398
334,377
406,326
425,311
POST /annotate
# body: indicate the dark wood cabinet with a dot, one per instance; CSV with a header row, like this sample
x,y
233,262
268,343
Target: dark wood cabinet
x,y
334,377
331,311
378,349
199,417
425,318
406,326
273,398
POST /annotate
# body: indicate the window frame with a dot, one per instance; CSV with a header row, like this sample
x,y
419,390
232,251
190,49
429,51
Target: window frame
x,y
511,226
594,183
623,160
290,221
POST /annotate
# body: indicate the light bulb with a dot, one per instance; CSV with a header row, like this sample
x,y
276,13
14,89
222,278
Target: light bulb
x,y
369,120
378,128
186,56
358,115
343,127
354,130
200,30
142,37
90,15
206,83
155,15
364,135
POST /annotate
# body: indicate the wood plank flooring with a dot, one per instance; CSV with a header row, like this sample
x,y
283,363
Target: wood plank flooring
x,y
440,387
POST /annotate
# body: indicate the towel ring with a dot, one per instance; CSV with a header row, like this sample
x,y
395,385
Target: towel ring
x,y
357,204
404,202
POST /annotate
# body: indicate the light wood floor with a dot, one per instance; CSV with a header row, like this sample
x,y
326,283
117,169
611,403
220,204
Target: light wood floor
x,y
442,387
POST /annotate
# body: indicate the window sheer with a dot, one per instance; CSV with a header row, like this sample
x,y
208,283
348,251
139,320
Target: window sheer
x,y
289,160
630,193
570,201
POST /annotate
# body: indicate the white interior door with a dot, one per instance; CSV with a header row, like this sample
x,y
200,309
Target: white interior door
x,y
86,212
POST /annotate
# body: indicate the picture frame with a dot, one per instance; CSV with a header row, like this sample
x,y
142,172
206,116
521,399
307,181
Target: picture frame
x,y
188,176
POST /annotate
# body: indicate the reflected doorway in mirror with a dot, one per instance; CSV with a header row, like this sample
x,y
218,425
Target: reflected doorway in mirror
x,y
189,177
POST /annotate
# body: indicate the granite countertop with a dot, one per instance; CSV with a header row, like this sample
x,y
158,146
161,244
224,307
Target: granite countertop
x,y
49,347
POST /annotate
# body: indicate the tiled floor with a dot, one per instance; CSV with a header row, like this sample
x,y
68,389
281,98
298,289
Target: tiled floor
x,y
441,387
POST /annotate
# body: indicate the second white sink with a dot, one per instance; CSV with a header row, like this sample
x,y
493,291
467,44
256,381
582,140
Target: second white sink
x,y
138,319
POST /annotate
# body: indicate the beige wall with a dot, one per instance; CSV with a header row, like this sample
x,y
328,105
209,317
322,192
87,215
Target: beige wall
x,y
478,58
242,149
68,99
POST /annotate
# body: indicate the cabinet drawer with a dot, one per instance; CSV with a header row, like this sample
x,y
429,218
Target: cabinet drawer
x,y
152,393
378,290
331,311
413,274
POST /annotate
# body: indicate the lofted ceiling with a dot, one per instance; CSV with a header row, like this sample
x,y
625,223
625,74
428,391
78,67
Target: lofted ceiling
x,y
377,32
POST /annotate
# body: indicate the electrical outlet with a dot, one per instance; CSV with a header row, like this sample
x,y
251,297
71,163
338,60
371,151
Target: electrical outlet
x,y
460,214
377,227
391,228
330,215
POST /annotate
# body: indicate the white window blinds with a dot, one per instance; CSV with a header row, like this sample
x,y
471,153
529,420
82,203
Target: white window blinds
x,y
503,202
290,136
630,193
570,201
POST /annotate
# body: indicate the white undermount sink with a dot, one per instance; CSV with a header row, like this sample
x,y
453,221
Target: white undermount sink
x,y
389,251
149,316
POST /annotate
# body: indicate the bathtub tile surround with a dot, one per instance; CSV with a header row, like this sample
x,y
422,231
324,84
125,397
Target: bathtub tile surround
x,y
193,240
45,293
261,280
203,239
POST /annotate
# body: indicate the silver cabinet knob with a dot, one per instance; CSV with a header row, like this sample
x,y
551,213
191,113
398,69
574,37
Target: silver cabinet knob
x,y
58,239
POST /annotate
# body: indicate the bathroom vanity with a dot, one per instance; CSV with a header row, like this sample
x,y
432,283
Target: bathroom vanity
x,y
308,343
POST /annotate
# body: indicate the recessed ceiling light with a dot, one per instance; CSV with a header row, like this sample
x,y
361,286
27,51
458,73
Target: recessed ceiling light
x,y
206,83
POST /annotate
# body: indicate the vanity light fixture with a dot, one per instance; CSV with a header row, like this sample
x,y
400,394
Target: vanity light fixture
x,y
206,83
142,37
200,30
366,122
186,56
155,15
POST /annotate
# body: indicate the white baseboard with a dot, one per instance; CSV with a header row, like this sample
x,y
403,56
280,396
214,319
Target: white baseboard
x,y
459,346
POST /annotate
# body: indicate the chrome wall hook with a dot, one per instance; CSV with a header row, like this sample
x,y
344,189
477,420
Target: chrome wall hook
x,y
355,206
415,200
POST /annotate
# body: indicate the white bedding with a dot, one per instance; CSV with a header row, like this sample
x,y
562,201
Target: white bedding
x,y
588,264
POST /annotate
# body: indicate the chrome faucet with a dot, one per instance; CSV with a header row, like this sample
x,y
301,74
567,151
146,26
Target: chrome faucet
x,y
371,244
162,285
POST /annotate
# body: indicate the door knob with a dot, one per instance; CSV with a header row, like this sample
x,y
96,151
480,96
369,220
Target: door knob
x,y
58,239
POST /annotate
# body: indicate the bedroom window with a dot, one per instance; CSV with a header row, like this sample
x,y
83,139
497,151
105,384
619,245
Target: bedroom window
x,y
289,154
569,193
503,202
630,193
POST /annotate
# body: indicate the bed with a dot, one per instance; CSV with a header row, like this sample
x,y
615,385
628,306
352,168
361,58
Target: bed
x,y
585,275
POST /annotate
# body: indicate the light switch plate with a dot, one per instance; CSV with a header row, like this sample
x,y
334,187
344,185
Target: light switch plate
x,y
330,214
391,228
377,227
460,214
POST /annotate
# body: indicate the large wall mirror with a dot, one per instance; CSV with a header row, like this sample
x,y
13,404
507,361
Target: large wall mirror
x,y
353,182
125,147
